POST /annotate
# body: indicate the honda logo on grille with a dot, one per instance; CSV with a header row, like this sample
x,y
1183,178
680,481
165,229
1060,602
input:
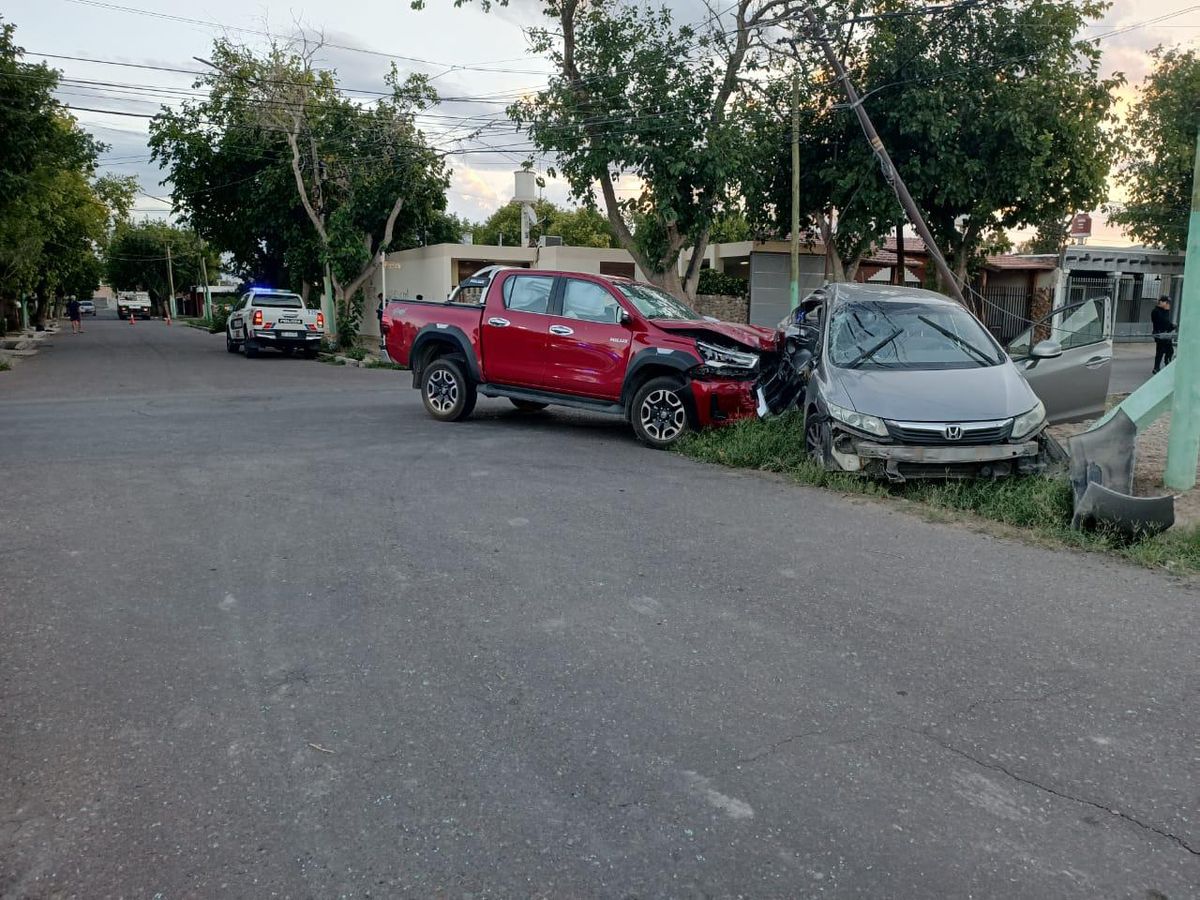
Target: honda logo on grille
x,y
953,432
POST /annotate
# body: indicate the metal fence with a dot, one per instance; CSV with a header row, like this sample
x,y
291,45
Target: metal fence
x,y
1006,311
1130,310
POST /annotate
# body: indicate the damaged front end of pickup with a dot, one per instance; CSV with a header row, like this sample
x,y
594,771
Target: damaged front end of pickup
x,y
736,382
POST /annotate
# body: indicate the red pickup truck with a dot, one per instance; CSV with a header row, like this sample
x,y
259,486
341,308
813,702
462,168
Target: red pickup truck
x,y
605,344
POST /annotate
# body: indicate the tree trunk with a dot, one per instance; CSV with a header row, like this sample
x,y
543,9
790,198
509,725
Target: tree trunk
x,y
835,269
691,279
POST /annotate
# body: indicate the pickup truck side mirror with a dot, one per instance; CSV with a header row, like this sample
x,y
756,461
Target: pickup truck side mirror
x,y
624,318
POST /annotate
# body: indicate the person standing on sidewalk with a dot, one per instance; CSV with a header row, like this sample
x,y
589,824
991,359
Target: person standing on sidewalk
x,y
1164,333
75,316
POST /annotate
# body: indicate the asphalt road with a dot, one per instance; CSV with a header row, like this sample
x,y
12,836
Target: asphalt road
x,y
1131,367
267,630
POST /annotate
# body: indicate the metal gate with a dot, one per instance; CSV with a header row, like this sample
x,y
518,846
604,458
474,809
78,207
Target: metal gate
x,y
770,289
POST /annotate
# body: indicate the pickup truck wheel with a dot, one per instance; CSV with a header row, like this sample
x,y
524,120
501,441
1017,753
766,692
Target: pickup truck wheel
x,y
528,405
230,343
447,391
659,414
310,352
249,348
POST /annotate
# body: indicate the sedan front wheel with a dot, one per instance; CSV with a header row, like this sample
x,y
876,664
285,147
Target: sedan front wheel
x,y
818,441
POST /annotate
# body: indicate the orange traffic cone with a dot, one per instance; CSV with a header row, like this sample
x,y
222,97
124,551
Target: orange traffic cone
x,y
132,317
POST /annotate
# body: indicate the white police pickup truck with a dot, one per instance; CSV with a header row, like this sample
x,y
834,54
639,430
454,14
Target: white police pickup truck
x,y
278,319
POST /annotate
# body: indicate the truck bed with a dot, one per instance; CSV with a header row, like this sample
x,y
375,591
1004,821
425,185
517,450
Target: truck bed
x,y
403,320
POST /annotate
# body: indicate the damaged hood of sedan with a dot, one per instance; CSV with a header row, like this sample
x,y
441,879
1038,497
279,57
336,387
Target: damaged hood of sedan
x,y
937,395
752,337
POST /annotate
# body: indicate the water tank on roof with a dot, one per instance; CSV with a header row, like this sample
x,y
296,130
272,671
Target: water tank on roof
x,y
525,186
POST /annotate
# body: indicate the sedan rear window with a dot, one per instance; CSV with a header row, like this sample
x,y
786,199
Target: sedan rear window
x,y
899,335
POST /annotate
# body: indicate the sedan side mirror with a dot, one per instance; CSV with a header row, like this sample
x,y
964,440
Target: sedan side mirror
x,y
1046,350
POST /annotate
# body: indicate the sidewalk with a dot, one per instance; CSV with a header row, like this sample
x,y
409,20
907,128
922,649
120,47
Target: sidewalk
x,y
20,344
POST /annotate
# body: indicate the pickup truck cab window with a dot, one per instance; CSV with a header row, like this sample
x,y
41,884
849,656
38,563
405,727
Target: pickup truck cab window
x,y
589,302
279,300
528,293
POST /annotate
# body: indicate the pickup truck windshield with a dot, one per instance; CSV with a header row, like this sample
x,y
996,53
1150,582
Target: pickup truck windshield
x,y
872,335
655,304
286,301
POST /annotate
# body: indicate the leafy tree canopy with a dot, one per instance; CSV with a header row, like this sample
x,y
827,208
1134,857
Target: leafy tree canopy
x,y
53,215
1160,151
136,258
995,115
278,169
583,227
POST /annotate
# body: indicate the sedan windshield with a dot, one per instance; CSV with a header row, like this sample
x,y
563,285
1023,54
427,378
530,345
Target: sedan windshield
x,y
654,303
890,335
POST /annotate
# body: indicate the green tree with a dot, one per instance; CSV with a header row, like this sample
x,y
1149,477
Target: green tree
x,y
1000,118
52,218
280,170
1160,151
582,227
995,115
637,96
117,193
844,203
136,258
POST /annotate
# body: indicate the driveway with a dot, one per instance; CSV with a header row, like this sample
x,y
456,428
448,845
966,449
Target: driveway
x,y
268,630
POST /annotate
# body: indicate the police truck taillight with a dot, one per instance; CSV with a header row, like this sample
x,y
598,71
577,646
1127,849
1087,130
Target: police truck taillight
x,y
320,320
258,320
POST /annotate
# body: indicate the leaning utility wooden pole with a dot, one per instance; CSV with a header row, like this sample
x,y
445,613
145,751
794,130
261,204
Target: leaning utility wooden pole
x,y
207,293
1183,445
171,311
795,270
885,161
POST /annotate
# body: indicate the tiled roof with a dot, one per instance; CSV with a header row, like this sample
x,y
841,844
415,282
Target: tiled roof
x,y
1027,263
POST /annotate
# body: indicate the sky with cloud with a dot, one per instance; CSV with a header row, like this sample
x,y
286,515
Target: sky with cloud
x,y
125,58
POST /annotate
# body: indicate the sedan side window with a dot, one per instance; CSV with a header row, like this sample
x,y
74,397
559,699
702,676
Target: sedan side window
x,y
1082,324
528,293
589,302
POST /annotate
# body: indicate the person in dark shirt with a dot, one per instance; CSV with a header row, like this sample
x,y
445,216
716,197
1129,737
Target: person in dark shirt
x,y
75,316
1161,324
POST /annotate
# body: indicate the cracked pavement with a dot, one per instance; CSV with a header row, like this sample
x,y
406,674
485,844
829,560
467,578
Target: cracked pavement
x,y
266,629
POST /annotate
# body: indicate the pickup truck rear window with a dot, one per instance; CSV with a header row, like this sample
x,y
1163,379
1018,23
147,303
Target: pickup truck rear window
x,y
286,301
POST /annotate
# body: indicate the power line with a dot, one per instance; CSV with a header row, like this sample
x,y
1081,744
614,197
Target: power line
x,y
260,33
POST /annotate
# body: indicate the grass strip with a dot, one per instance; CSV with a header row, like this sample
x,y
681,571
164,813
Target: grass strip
x,y
1039,506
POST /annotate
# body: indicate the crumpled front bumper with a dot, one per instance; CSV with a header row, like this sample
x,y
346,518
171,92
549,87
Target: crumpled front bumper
x,y
943,455
899,462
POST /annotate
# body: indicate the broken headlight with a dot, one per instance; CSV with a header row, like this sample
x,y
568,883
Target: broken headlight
x,y
857,421
725,358
1027,423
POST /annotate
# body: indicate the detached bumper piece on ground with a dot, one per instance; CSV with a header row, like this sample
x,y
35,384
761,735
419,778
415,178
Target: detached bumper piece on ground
x,y
1102,464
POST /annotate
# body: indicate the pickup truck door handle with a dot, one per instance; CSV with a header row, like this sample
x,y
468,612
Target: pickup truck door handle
x,y
561,329
499,322
1097,361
